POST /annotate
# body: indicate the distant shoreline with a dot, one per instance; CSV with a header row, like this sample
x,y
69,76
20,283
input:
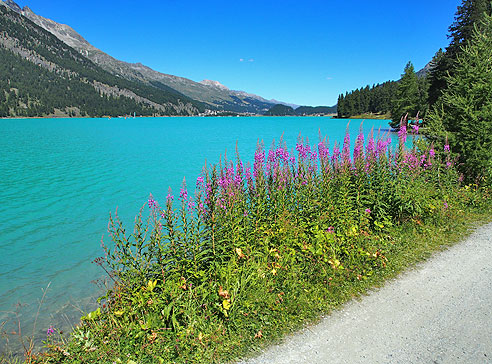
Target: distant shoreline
x,y
162,116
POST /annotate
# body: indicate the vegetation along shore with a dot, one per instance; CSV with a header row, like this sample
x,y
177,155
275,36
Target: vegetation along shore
x,y
257,250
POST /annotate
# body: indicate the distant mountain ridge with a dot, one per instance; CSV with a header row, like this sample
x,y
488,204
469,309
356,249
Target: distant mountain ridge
x,y
211,93
284,110
40,75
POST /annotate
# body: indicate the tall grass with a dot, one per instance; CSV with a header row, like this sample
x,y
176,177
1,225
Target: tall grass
x,y
259,248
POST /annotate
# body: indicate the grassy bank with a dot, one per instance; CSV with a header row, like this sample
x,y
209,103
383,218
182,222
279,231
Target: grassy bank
x,y
258,251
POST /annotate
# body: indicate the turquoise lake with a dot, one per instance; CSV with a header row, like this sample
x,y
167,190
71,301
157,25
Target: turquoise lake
x,y
60,179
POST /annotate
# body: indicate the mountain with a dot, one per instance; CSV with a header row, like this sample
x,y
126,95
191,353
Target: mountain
x,y
284,110
315,110
424,71
281,110
211,93
41,75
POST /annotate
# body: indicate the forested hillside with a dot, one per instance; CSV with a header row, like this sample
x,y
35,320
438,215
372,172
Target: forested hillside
x,y
375,99
39,73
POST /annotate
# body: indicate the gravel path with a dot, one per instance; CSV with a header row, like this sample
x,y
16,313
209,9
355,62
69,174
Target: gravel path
x,y
440,312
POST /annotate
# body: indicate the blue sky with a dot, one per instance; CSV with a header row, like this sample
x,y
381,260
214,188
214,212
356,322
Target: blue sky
x,y
303,52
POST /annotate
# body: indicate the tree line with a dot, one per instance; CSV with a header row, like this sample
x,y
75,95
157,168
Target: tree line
x,y
375,99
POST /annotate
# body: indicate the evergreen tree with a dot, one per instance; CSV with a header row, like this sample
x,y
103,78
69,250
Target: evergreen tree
x,y
464,112
407,100
423,86
341,106
469,14
436,77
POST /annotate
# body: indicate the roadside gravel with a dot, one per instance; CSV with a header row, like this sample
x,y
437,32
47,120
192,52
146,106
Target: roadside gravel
x,y
439,312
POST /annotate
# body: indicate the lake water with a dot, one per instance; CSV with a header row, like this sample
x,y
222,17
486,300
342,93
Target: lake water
x,y
60,178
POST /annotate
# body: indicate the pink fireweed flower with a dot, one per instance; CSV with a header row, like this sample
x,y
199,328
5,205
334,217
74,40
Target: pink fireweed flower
x,y
402,133
183,194
445,205
303,150
336,154
199,181
238,179
152,202
323,151
432,153
271,156
446,148
370,148
191,205
448,164
259,161
169,197
359,147
346,149
201,208
330,230
415,128
247,173
51,331
368,211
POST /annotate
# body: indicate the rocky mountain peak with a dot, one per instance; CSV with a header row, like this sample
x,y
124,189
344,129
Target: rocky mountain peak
x,y
11,5
214,84
27,10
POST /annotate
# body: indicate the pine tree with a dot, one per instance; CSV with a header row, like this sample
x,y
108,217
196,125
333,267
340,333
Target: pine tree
x,y
341,106
407,99
436,77
464,112
468,15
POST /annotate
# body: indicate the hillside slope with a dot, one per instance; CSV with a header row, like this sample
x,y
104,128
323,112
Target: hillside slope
x,y
39,73
211,93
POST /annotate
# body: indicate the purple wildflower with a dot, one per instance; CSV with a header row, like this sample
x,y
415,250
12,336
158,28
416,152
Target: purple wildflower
x,y
183,193
323,151
336,153
51,331
346,149
152,202
446,148
368,211
432,153
415,128
402,133
370,148
247,173
259,161
359,146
